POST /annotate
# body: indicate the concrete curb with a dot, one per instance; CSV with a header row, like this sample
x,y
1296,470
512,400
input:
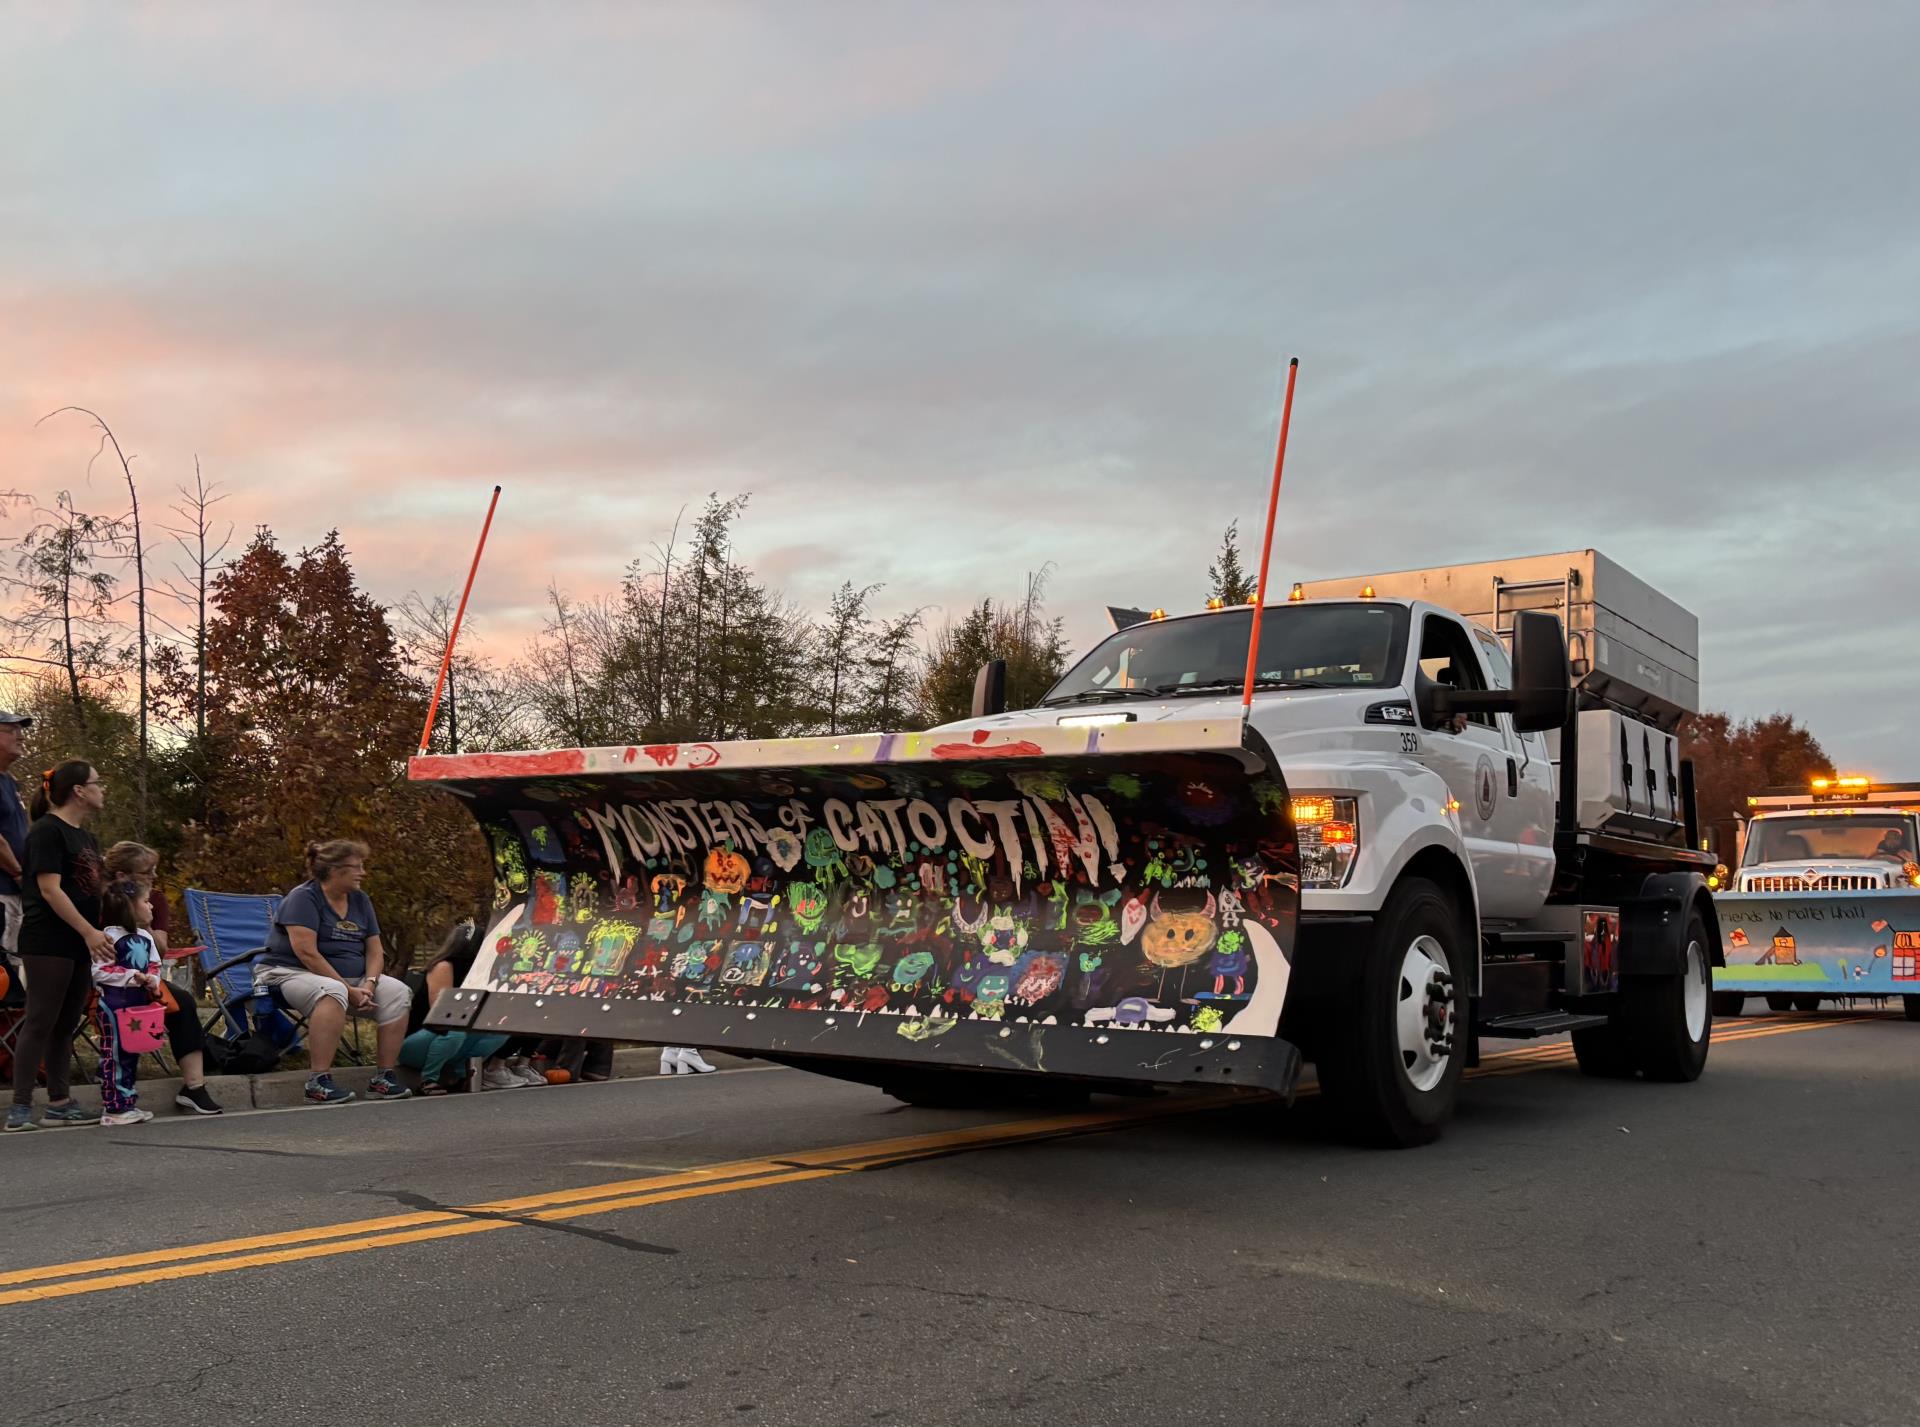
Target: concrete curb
x,y
280,1089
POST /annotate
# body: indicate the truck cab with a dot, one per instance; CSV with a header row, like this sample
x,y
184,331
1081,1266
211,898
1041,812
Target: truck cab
x,y
1493,839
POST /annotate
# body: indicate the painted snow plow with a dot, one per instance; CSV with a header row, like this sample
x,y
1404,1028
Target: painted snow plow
x,y
1108,903
1816,945
1824,902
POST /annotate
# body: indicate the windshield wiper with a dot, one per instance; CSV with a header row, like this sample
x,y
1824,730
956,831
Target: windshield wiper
x,y
1214,686
1089,695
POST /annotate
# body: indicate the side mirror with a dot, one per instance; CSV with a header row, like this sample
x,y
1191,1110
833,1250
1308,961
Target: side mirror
x,y
1542,685
990,689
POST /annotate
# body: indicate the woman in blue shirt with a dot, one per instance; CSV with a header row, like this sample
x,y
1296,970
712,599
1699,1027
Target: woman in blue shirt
x,y
324,958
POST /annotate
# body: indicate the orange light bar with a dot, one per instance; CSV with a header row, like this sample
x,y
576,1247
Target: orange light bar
x,y
1366,592
1296,594
1216,603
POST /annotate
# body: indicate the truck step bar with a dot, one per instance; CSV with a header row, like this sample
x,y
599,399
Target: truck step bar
x,y
1538,1023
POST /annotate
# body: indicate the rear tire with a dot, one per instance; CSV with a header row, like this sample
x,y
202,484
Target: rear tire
x,y
1778,1002
1391,1062
1728,1004
1806,1003
1669,1019
1912,1005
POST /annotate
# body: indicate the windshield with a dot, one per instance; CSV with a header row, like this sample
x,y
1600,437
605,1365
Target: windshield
x,y
1853,837
1330,645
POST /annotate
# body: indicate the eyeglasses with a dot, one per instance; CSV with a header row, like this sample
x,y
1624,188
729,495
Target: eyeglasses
x,y
94,783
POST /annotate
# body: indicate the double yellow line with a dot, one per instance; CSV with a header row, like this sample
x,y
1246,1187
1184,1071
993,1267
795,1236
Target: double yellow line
x,y
227,1255
31,1285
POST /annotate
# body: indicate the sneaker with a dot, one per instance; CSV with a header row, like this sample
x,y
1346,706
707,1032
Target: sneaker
x,y
127,1117
69,1114
497,1075
20,1117
322,1091
385,1087
523,1068
196,1099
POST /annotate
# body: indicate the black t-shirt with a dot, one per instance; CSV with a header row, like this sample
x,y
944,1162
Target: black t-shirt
x,y
56,845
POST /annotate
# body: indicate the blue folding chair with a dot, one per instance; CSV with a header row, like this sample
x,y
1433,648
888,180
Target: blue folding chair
x,y
233,927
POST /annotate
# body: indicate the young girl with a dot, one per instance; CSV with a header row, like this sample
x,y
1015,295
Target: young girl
x,y
131,978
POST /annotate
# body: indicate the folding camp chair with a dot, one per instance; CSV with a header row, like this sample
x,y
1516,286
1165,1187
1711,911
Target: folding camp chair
x,y
233,928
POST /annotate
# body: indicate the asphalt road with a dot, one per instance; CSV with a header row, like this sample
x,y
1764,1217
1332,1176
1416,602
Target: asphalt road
x,y
1743,1250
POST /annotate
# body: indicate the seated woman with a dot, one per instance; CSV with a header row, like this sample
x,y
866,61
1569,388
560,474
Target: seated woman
x,y
324,958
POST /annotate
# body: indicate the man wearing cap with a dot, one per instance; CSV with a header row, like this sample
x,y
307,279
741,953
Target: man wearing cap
x,y
13,832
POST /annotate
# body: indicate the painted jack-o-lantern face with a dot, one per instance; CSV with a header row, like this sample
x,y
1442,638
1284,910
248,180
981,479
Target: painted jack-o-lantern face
x,y
1178,938
727,870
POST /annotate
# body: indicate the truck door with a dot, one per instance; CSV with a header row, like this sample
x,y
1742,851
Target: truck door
x,y
1472,758
1525,818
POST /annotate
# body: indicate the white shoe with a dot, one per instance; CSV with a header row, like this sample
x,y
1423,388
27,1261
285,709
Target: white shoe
x,y
496,1076
523,1068
672,1060
127,1117
691,1063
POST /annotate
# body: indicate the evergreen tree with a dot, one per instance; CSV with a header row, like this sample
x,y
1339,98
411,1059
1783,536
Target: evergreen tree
x,y
1225,579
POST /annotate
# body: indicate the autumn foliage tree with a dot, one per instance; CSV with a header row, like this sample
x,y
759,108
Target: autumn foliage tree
x,y
311,715
1732,760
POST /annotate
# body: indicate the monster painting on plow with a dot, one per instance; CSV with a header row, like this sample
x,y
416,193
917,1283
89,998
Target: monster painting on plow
x,y
1148,894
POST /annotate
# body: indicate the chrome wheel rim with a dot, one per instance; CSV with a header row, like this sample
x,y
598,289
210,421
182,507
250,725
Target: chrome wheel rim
x,y
1424,1013
1694,990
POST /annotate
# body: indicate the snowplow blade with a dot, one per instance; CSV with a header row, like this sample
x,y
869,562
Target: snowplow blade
x,y
1820,943
1109,903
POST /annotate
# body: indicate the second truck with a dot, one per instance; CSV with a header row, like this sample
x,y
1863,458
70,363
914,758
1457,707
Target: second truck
x,y
1438,821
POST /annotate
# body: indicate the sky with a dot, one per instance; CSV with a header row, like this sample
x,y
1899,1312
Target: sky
x,y
962,292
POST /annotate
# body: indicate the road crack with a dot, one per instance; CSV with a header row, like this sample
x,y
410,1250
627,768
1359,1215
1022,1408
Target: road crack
x,y
579,1231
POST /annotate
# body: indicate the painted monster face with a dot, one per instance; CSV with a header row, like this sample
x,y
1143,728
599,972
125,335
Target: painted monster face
x,y
855,961
990,1001
910,970
808,904
727,871
1178,938
1003,938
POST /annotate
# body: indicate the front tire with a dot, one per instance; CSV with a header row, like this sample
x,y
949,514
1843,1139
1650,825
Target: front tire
x,y
1396,1045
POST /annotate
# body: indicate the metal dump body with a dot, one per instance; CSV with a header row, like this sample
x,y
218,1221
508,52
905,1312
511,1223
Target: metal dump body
x,y
1631,647
1111,903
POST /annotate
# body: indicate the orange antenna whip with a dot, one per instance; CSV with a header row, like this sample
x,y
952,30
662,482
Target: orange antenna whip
x,y
446,660
1266,545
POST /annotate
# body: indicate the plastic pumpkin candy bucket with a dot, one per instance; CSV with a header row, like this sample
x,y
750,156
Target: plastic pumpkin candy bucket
x,y
559,1077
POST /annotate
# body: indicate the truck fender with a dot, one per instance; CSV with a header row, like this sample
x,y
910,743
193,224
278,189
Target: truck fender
x,y
1653,925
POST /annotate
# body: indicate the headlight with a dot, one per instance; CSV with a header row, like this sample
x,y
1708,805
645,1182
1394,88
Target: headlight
x,y
1328,830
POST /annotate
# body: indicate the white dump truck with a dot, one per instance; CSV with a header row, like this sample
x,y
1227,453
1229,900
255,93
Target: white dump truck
x,y
1429,826
1824,900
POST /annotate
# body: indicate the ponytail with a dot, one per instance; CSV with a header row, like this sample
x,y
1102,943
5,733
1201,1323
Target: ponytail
x,y
57,785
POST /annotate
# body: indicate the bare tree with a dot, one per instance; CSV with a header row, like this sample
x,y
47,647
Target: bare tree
x,y
203,551
107,438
